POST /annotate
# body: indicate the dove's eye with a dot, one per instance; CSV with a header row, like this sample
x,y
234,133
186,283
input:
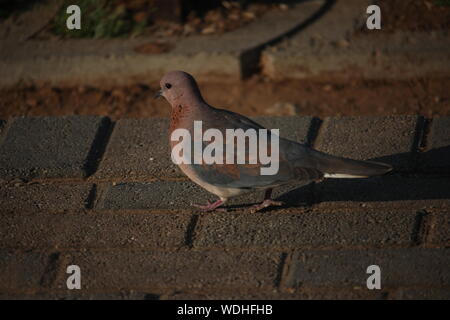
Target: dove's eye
x,y
168,85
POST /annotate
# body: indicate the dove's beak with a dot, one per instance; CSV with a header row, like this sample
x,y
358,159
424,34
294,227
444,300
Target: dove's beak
x,y
158,94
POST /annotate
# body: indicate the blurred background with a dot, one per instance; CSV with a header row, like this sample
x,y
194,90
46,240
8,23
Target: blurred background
x,y
254,57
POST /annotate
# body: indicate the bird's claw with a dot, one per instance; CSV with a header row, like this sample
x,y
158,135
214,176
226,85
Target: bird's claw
x,y
265,204
211,206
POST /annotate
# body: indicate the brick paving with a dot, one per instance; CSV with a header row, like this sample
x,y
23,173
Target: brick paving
x,y
106,197
389,139
50,147
437,156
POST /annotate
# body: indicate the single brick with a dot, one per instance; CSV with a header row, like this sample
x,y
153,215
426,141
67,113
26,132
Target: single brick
x,y
305,229
385,188
21,270
53,197
139,148
152,195
440,229
347,268
92,230
421,294
182,194
437,155
152,270
387,139
50,147
294,128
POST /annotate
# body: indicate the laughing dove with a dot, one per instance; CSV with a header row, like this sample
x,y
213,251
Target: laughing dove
x,y
296,162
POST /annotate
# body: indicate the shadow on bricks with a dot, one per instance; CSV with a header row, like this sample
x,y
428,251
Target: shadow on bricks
x,y
396,186
435,160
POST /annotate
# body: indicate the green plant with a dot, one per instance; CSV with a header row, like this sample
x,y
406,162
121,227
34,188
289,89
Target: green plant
x,y
99,19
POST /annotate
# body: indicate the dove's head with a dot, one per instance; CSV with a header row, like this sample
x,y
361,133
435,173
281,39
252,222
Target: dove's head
x,y
179,87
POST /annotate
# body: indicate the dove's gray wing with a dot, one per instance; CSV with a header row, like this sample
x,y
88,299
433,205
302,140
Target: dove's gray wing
x,y
297,162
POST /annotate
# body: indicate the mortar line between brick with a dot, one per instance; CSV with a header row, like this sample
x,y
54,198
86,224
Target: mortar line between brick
x,y
98,147
117,180
5,130
92,196
313,131
190,231
92,179
165,293
100,190
290,250
3,124
286,269
243,292
417,141
427,228
85,292
423,141
281,269
51,271
418,233
322,207
319,131
182,247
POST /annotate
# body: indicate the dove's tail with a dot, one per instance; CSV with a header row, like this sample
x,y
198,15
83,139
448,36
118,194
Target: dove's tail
x,y
337,167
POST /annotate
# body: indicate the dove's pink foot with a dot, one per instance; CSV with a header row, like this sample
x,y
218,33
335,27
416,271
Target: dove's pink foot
x,y
211,206
266,203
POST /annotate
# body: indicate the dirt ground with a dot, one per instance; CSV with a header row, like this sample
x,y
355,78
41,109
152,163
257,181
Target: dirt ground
x,y
415,15
255,96
258,96
139,19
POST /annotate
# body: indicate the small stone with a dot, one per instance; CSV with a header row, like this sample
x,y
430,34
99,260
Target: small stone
x,y
32,102
188,29
226,4
343,43
208,30
283,108
234,16
118,93
327,87
249,15
140,17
